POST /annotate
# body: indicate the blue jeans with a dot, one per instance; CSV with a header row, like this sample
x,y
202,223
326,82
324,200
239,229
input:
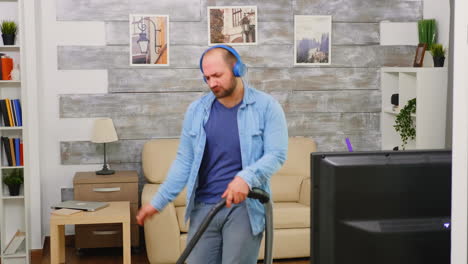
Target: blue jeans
x,y
227,240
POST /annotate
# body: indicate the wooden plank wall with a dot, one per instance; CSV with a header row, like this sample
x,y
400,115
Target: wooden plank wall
x,y
327,104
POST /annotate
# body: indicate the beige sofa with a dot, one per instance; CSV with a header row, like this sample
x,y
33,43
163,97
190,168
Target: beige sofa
x,y
166,233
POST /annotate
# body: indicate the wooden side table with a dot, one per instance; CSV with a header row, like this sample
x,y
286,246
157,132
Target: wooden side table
x,y
121,186
116,212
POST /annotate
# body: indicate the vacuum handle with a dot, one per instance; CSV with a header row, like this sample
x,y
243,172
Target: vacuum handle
x,y
259,194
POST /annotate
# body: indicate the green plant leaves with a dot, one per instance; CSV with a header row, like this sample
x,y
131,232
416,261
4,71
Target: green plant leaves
x,y
8,27
437,50
427,30
13,177
404,124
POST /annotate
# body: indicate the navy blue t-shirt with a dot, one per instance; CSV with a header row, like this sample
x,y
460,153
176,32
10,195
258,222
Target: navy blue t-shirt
x,y
222,157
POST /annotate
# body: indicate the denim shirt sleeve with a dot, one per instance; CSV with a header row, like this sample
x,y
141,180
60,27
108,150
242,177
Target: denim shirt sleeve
x,y
275,143
179,171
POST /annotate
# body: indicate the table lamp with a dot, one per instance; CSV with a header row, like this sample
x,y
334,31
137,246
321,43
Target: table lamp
x,y
104,132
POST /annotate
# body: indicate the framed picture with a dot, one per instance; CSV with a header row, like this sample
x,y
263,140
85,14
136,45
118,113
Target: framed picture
x,y
419,56
312,43
149,40
232,25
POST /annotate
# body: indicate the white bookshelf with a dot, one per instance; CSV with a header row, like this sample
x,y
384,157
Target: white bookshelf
x,y
429,87
14,210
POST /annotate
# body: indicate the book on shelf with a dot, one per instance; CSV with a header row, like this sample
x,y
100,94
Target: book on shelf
x,y
15,243
10,118
3,108
12,151
19,112
21,154
7,151
17,151
11,112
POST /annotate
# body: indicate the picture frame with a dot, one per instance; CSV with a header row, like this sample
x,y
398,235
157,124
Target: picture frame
x,y
149,40
419,56
312,40
232,25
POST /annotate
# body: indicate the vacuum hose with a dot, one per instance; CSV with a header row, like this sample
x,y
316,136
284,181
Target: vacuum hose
x,y
255,193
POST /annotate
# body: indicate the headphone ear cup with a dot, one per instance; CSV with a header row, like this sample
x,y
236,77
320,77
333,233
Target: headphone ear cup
x,y
235,70
239,69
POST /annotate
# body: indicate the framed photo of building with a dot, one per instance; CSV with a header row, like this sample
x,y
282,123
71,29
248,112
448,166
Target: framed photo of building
x,y
232,25
149,40
312,40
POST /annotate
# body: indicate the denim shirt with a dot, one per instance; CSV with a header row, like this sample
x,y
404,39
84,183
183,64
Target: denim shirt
x,y
263,137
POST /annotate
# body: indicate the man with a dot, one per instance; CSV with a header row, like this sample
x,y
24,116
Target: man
x,y
233,139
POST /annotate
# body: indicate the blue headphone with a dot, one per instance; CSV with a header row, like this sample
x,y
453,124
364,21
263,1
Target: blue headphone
x,y
239,68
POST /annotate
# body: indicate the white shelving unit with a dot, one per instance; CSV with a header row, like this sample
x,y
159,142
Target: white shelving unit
x,y
14,210
429,87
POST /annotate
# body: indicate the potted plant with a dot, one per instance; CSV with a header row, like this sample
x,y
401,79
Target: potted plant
x,y
14,179
9,29
427,30
438,55
404,124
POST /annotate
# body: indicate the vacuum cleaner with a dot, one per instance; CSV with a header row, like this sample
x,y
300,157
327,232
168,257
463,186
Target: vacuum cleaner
x,y
255,193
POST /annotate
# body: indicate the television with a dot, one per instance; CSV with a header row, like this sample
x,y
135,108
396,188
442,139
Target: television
x,y
381,207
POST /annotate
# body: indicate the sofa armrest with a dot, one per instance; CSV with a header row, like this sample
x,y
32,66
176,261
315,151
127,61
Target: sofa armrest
x,y
162,233
304,195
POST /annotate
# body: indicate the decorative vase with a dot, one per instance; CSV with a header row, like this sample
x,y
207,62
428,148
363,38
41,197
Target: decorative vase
x,y
14,189
8,39
439,61
15,73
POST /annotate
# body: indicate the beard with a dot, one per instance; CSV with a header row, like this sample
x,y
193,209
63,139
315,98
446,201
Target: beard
x,y
228,91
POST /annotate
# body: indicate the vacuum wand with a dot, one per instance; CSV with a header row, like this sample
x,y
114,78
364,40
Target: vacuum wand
x,y
255,193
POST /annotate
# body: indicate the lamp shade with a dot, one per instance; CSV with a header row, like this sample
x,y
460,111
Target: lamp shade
x,y
104,131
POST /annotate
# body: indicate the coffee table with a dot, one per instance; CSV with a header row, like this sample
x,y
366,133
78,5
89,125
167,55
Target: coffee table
x,y
116,212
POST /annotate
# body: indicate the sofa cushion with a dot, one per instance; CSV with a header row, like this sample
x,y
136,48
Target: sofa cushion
x,y
180,210
298,160
157,158
285,188
291,215
285,216
151,189
286,183
289,243
180,199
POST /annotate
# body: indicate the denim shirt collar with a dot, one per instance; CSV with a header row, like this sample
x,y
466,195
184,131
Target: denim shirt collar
x,y
249,98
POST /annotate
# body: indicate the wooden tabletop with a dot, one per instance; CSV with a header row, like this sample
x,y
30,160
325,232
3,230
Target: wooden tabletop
x,y
115,212
91,177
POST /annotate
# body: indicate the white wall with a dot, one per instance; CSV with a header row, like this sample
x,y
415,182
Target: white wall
x,y
53,82
460,135
440,10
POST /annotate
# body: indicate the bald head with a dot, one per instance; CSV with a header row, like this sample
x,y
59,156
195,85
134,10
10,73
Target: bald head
x,y
227,56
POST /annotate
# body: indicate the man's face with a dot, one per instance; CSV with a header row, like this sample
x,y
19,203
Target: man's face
x,y
218,74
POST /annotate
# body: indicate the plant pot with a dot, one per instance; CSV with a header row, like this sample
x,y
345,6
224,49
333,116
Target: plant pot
x,y
439,61
8,39
14,189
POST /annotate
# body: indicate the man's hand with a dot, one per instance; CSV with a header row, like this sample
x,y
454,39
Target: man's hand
x,y
144,212
236,192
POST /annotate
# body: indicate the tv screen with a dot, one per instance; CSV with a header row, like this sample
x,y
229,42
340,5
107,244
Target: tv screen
x,y
381,207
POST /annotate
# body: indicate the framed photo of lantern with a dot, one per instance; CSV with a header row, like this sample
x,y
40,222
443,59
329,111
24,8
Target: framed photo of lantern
x,y
149,40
